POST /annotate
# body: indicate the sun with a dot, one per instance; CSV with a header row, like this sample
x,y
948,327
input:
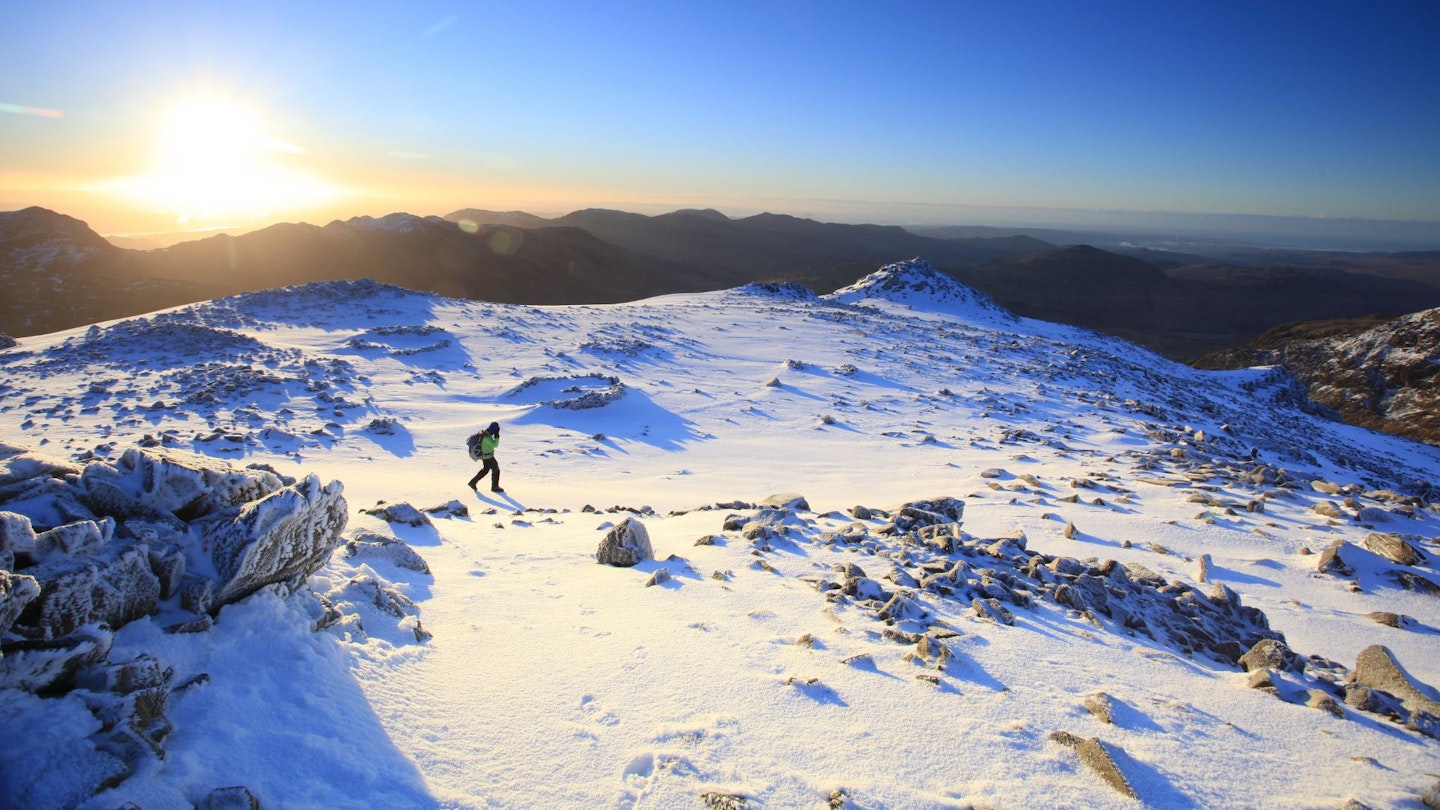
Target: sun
x,y
213,159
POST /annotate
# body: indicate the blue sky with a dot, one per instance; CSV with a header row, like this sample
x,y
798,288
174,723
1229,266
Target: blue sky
x,y
1278,108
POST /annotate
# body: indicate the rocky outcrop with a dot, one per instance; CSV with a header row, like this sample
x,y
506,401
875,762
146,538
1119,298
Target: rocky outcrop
x,y
87,550
1380,376
999,577
625,545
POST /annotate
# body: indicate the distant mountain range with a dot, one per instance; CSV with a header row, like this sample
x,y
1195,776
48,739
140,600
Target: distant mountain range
x,y
1190,310
57,273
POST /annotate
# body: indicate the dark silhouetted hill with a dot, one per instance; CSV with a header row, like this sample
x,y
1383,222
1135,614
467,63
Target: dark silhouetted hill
x,y
1188,311
55,273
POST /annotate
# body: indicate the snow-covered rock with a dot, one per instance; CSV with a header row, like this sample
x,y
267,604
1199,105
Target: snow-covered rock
x,y
625,545
280,538
165,527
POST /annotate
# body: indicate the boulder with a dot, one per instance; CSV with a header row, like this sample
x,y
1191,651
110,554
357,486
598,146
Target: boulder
x,y
1320,699
625,545
1331,561
1377,669
1386,618
284,536
787,500
1271,653
1430,796
1394,548
1411,581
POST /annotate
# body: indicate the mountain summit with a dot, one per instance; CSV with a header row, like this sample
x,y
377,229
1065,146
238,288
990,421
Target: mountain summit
x,y
916,284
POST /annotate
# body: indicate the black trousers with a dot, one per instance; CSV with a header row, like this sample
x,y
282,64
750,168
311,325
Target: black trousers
x,y
491,466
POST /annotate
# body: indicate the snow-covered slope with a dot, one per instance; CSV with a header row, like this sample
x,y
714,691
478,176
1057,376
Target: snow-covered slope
x,y
803,656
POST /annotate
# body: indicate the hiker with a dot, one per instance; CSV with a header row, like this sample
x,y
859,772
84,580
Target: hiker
x,y
489,440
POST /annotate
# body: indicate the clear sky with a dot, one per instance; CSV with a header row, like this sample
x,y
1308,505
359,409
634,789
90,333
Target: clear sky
x,y
158,115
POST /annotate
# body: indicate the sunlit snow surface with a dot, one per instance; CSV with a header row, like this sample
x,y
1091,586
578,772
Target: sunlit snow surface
x,y
551,681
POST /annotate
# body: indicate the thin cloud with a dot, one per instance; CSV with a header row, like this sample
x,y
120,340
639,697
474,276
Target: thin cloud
x,y
40,112
440,26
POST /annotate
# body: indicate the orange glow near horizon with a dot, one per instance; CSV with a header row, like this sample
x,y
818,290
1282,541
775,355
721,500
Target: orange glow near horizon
x,y
213,160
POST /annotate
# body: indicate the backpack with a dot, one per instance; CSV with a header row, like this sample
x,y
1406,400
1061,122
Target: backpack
x,y
473,445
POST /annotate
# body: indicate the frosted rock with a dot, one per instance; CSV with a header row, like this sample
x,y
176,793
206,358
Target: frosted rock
x,y
143,482
38,665
402,513
17,535
625,545
900,608
16,591
54,770
144,671
20,464
83,537
115,589
284,536
369,545
168,565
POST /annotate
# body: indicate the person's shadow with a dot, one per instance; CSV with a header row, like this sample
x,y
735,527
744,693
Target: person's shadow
x,y
502,500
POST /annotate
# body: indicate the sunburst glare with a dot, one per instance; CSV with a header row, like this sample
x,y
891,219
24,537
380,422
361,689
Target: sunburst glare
x,y
213,159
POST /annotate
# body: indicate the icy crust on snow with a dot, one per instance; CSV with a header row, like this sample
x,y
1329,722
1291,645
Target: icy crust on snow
x,y
916,284
153,534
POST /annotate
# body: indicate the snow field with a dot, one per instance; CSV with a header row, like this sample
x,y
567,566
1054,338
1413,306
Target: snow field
x,y
551,681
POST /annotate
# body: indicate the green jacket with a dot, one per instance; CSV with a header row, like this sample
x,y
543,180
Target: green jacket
x,y
488,443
